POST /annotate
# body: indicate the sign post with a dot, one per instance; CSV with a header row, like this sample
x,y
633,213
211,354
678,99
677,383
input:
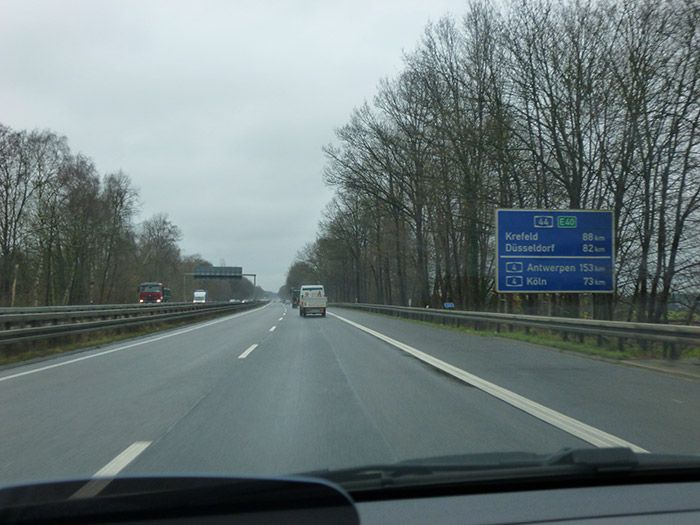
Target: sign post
x,y
554,251
219,272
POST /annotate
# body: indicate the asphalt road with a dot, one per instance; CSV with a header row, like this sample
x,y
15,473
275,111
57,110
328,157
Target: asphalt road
x,y
321,393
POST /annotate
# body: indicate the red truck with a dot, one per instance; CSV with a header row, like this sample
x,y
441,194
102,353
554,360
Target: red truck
x,y
153,293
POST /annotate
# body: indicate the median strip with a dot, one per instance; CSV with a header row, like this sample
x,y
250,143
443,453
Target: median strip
x,y
570,425
126,347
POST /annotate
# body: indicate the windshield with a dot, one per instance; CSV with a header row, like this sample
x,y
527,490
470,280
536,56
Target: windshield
x,y
148,288
426,230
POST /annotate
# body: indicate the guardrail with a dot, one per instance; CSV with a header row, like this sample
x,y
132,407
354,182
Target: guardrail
x,y
675,334
29,324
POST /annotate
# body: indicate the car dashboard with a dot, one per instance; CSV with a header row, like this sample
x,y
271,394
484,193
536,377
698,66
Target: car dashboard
x,y
310,500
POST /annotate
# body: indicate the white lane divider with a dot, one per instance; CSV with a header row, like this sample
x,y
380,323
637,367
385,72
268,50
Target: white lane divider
x,y
247,352
273,329
111,469
587,433
126,347
280,319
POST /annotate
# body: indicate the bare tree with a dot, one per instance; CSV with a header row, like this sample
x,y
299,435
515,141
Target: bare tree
x,y
120,199
159,252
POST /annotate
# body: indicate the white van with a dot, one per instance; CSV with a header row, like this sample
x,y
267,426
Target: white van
x,y
312,300
200,296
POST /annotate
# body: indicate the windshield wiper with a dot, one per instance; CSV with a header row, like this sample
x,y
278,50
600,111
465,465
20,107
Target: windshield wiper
x,y
598,459
571,464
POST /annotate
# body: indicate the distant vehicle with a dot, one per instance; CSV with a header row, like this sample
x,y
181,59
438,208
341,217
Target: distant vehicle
x,y
153,293
295,297
312,300
234,301
287,302
200,296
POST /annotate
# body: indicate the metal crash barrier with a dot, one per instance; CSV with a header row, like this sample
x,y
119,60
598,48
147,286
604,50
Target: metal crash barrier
x,y
30,324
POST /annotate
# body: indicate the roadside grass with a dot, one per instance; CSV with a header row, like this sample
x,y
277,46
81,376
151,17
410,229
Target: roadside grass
x,y
693,353
607,350
20,352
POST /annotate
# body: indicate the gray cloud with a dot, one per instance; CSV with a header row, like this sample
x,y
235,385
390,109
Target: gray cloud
x,y
216,110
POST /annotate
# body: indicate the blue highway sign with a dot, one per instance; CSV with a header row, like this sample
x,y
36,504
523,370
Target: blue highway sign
x,y
554,251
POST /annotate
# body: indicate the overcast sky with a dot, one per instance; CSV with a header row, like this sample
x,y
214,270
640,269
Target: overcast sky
x,y
216,110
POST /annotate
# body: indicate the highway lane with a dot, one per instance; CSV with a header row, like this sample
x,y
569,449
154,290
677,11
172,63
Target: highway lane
x,y
70,415
320,394
656,412
268,392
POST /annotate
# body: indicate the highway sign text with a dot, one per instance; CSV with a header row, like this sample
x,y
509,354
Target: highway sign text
x,y
554,251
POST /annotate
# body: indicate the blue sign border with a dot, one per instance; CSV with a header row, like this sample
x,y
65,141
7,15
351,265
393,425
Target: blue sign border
x,y
553,240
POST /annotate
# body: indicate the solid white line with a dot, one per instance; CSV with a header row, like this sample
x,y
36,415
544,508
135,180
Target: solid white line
x,y
247,352
95,486
273,329
126,347
585,432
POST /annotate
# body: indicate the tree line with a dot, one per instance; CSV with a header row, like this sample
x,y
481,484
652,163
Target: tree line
x,y
68,234
539,104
